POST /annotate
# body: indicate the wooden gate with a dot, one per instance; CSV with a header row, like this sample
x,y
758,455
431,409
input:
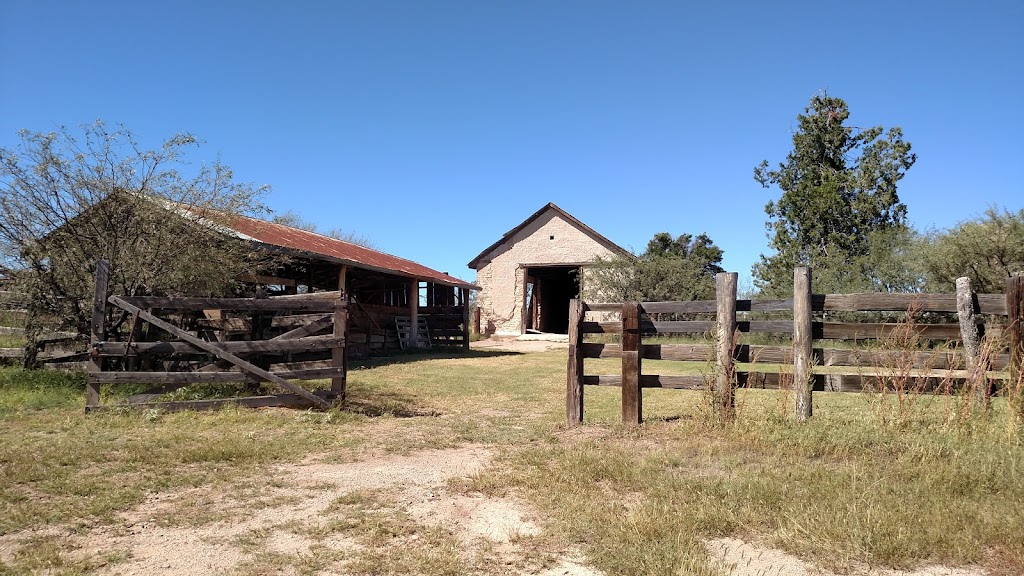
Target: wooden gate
x,y
174,342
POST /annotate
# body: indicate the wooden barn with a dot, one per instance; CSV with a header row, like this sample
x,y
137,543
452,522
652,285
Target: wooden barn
x,y
387,294
528,276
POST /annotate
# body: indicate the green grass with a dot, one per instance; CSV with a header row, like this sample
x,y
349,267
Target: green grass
x,y
865,481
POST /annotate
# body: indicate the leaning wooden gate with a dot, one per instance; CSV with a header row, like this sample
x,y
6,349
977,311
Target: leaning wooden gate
x,y
174,342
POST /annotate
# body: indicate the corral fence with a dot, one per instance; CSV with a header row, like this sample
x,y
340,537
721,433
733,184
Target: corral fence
x,y
175,342
916,353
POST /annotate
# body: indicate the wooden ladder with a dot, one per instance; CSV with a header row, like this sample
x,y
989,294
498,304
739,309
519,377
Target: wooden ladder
x,y
403,324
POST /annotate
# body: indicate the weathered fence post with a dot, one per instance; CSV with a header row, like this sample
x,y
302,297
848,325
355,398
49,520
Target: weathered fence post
x,y
1015,326
98,333
574,372
969,336
339,355
724,394
632,397
803,376
464,300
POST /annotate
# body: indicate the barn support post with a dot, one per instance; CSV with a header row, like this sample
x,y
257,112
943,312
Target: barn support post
x,y
464,300
414,313
1015,326
98,333
339,355
632,396
803,376
724,393
971,339
574,371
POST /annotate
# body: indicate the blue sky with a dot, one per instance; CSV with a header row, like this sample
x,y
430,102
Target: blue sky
x,y
433,127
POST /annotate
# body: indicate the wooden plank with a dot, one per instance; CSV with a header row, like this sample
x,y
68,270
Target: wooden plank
x,y
725,295
803,359
632,397
686,307
679,352
574,368
693,382
464,300
869,331
296,303
97,331
886,302
602,307
219,352
676,327
204,377
601,327
312,343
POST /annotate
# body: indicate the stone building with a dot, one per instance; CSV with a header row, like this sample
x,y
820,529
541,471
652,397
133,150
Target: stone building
x,y
528,277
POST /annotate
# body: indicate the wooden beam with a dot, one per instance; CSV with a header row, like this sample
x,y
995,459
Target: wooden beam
x,y
309,344
270,280
574,371
219,352
724,394
632,397
98,331
414,313
338,355
319,302
803,359
1015,321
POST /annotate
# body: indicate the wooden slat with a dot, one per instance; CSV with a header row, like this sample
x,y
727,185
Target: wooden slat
x,y
311,343
203,377
884,302
679,352
600,327
255,371
865,331
601,307
269,401
690,307
695,382
296,303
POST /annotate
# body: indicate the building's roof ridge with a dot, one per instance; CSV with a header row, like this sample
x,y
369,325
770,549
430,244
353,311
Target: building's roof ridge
x,y
549,206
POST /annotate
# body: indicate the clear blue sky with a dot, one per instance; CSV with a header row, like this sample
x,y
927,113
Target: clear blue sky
x,y
435,126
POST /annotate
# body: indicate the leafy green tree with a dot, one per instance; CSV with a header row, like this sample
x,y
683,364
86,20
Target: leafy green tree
x,y
680,268
68,199
838,189
988,250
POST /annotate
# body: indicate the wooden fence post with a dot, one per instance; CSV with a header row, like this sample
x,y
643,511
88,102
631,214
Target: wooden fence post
x,y
464,300
98,333
339,356
803,375
724,393
970,338
632,397
1015,326
574,372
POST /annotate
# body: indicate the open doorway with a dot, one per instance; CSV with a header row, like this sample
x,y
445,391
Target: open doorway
x,y
546,298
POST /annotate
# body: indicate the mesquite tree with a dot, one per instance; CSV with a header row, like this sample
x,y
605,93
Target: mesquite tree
x,y
838,197
70,198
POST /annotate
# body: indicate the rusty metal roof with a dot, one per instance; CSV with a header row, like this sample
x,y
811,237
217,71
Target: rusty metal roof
x,y
338,251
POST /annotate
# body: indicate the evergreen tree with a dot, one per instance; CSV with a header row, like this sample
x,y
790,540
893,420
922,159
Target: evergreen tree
x,y
838,198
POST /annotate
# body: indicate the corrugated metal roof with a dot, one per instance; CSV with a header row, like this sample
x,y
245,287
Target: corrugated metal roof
x,y
338,251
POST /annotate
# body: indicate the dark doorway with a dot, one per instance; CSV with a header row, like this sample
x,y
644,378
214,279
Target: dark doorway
x,y
546,298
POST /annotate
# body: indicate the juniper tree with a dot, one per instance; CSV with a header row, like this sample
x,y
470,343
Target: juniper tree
x,y
838,199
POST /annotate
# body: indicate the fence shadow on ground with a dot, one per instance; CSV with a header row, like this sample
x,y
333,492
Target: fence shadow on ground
x,y
407,356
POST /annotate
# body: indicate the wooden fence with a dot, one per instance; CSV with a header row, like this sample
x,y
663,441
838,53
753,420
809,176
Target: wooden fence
x,y
896,356
174,342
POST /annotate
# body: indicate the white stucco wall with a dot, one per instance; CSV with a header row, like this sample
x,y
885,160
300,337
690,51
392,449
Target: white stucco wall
x,y
501,278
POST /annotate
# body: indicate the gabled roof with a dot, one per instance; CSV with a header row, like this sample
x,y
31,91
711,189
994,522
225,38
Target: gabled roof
x,y
568,217
323,247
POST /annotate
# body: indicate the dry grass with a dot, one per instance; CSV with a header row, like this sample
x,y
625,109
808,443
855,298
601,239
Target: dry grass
x,y
847,489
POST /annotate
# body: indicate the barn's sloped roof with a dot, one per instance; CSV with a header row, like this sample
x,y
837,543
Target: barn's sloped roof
x,y
338,251
568,217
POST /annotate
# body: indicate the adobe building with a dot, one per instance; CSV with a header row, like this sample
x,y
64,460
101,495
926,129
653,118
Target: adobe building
x,y
528,277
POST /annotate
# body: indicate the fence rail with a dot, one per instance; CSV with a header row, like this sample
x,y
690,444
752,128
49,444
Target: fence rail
x,y
910,352
194,345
